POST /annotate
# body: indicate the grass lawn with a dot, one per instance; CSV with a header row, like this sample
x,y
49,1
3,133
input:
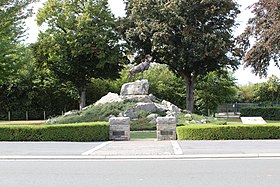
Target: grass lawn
x,y
142,135
29,122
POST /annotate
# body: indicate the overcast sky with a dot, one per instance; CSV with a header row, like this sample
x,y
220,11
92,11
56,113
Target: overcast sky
x,y
244,76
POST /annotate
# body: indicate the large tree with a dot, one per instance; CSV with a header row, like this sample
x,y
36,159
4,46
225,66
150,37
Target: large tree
x,y
213,89
80,42
261,38
269,92
12,27
192,37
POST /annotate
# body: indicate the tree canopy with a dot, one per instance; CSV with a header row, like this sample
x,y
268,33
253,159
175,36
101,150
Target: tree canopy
x,y
192,37
213,89
80,43
12,15
261,39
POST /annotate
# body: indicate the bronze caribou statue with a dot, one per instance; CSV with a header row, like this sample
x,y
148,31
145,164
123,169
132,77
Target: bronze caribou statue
x,y
141,67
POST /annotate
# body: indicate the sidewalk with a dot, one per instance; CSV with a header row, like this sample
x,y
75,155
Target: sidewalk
x,y
188,149
141,149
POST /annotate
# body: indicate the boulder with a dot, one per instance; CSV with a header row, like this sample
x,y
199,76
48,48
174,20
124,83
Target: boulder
x,y
139,87
152,118
109,98
134,111
170,106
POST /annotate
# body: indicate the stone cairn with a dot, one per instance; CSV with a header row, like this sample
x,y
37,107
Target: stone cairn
x,y
138,92
119,128
166,128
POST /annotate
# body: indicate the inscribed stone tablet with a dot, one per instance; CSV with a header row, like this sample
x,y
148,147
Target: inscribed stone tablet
x,y
253,120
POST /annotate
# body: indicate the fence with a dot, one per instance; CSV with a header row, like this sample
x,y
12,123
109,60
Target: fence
x,y
26,115
235,107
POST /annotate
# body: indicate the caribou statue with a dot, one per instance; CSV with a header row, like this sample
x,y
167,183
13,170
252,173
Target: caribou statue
x,y
141,67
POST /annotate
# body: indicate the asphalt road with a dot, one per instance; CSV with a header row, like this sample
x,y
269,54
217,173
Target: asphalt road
x,y
147,173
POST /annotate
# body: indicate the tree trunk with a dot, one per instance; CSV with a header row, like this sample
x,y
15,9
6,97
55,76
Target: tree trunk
x,y
190,83
83,98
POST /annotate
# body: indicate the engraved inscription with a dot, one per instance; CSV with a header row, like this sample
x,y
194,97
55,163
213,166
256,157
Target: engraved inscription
x,y
166,133
118,133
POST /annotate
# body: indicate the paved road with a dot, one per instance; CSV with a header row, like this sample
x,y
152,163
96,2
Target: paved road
x,y
148,173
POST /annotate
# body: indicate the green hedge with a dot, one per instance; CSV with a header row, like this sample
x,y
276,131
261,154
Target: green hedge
x,y
268,113
80,132
228,132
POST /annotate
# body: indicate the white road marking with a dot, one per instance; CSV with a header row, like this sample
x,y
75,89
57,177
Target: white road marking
x,y
176,148
96,148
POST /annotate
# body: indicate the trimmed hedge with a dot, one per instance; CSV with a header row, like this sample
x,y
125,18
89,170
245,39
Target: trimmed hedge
x,y
268,113
80,132
228,132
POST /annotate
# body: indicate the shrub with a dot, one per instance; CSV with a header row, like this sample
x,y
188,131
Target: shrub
x,y
98,131
228,132
268,113
142,124
93,113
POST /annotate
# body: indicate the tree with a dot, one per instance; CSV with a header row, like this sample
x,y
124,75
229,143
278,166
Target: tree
x,y
215,88
81,42
247,93
264,29
12,15
269,91
192,37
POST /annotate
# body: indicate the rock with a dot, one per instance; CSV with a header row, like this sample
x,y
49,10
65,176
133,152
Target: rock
x,y
170,106
166,120
152,118
154,98
70,113
137,98
109,98
139,87
204,121
188,116
134,111
161,108
119,120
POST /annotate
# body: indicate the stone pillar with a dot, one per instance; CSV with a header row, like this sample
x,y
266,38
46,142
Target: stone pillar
x,y
166,128
119,128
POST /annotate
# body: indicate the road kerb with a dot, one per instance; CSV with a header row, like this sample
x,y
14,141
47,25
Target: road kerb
x,y
96,157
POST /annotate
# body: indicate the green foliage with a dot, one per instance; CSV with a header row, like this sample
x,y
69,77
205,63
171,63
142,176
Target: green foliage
x,y
268,113
269,91
215,88
164,84
12,15
35,90
192,37
83,132
142,124
93,113
97,88
247,93
84,42
228,132
263,28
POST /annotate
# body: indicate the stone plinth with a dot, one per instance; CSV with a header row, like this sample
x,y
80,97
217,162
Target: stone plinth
x,y
119,128
166,128
139,87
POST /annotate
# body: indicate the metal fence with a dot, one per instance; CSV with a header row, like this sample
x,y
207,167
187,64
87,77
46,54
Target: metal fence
x,y
236,107
26,115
